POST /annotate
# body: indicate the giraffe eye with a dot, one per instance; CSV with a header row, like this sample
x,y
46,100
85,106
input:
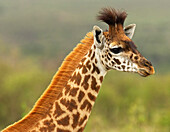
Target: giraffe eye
x,y
116,50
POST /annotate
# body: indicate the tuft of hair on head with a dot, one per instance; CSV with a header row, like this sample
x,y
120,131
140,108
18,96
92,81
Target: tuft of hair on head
x,y
121,16
107,15
112,16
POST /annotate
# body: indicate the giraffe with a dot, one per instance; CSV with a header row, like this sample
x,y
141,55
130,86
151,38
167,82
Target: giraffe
x,y
66,104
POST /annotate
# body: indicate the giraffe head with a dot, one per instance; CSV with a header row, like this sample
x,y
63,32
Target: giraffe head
x,y
115,48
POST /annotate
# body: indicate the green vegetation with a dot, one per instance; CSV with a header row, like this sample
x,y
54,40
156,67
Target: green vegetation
x,y
35,36
133,104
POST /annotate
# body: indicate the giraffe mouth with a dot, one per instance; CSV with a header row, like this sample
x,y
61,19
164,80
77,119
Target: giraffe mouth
x,y
145,72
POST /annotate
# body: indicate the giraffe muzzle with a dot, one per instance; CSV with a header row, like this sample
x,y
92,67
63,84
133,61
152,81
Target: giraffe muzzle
x,y
145,68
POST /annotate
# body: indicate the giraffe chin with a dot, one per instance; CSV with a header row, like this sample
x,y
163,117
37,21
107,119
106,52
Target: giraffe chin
x,y
143,73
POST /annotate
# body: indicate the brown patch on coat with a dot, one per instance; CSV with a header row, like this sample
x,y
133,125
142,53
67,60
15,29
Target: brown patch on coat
x,y
94,85
80,66
84,70
90,53
123,66
80,129
85,82
86,104
58,111
76,78
48,126
62,130
95,69
91,97
96,61
72,105
88,65
117,61
73,91
64,121
64,102
67,89
75,119
93,56
101,79
80,96
82,120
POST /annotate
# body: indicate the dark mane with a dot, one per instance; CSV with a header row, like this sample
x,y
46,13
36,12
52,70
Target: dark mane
x,y
112,16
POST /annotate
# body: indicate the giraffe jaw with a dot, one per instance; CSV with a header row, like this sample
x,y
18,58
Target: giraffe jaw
x,y
145,72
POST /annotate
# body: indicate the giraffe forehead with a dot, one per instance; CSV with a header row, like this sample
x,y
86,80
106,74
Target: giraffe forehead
x,y
119,39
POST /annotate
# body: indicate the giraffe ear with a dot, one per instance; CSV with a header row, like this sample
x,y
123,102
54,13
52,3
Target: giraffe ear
x,y
98,36
129,30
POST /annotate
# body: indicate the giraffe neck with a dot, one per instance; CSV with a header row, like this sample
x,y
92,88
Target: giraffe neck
x,y
66,104
70,112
